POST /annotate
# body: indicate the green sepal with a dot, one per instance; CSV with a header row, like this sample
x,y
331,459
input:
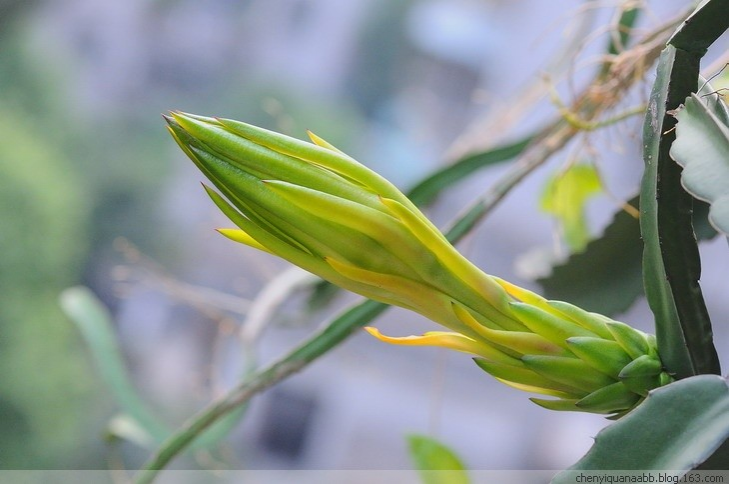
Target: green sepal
x,y
210,137
642,366
521,375
322,156
243,237
380,229
642,385
643,375
399,291
551,327
279,244
516,343
665,378
563,405
633,341
451,259
268,210
610,399
568,371
524,343
319,141
337,209
260,161
603,355
319,235
290,250
597,323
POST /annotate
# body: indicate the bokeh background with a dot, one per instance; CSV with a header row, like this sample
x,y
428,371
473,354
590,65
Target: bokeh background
x,y
93,191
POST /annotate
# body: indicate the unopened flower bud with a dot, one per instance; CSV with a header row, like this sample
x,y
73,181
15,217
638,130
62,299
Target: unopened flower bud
x,y
320,209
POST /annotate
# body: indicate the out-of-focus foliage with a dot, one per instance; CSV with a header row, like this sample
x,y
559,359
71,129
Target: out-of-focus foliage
x,y
71,181
429,455
52,220
606,276
43,238
565,197
105,157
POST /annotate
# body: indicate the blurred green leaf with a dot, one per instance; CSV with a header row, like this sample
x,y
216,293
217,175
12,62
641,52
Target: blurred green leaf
x,y
620,38
124,427
676,428
627,20
47,395
426,190
138,423
702,149
321,294
94,322
565,196
318,344
606,277
430,455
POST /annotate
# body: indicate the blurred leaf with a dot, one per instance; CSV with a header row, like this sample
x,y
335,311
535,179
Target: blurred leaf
x,y
565,196
321,295
676,428
430,455
47,396
426,190
11,9
606,277
139,424
628,17
671,264
94,322
124,427
702,149
620,38
316,345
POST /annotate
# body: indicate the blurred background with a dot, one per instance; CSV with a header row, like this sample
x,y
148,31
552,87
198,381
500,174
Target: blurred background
x,y
94,191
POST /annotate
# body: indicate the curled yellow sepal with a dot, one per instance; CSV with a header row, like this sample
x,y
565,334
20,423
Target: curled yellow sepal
x,y
319,141
242,237
517,343
444,339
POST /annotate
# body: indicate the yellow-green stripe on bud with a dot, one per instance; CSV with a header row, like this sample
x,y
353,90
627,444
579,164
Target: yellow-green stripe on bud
x,y
318,208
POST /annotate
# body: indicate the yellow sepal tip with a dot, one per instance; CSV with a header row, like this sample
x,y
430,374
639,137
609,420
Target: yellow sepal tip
x,y
240,236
